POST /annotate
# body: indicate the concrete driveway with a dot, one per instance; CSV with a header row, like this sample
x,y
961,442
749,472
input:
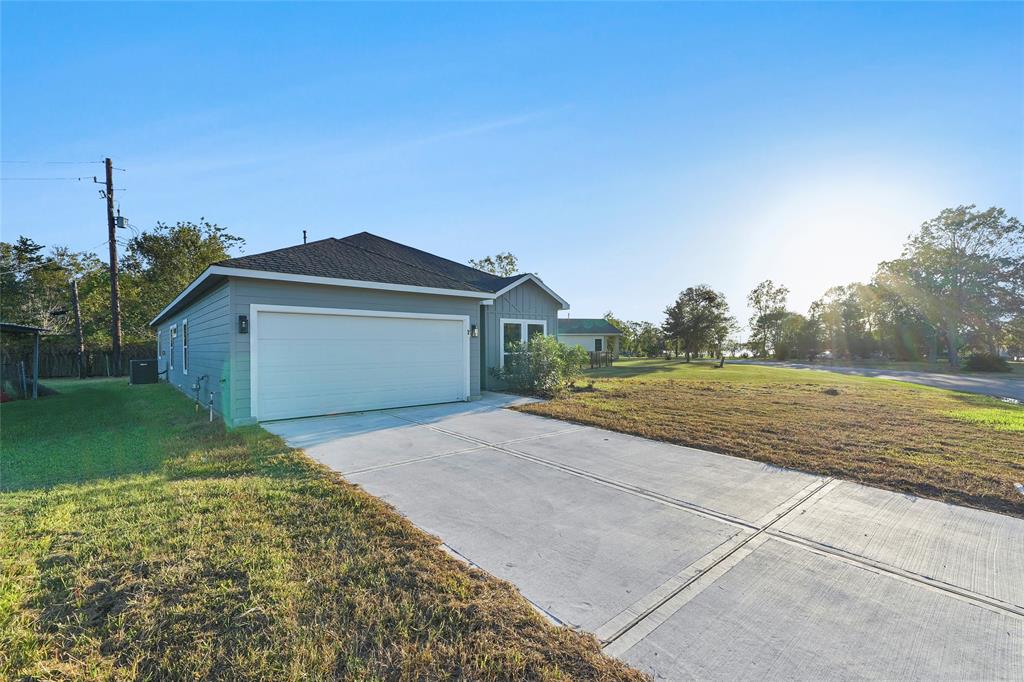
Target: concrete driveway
x,y
689,564
996,385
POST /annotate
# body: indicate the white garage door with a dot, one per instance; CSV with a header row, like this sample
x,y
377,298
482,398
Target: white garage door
x,y
310,363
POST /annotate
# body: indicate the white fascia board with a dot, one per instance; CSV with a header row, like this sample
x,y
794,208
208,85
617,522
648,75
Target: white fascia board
x,y
594,334
536,280
311,279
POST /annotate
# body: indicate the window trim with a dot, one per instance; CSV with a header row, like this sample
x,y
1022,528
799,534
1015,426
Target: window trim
x,y
172,335
598,341
184,346
525,326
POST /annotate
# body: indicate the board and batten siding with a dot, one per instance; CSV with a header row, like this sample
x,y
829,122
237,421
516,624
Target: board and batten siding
x,y
209,337
245,292
525,302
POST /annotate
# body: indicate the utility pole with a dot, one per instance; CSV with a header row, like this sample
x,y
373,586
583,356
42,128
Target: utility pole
x,y
115,292
78,328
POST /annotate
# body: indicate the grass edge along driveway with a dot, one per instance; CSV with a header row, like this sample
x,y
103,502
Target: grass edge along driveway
x,y
955,447
140,541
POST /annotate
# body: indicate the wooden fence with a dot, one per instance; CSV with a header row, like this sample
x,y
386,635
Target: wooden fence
x,y
57,360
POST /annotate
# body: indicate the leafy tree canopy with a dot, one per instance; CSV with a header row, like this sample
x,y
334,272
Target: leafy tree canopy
x,y
502,264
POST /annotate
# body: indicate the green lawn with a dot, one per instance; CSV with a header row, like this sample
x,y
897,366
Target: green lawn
x,y
138,541
951,446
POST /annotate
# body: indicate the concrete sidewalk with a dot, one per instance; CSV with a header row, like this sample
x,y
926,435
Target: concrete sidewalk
x,y
689,564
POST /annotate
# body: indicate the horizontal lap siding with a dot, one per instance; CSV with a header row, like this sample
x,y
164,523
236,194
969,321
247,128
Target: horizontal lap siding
x,y
209,332
525,302
245,292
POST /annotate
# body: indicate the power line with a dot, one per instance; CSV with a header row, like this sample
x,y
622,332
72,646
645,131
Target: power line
x,y
84,177
52,163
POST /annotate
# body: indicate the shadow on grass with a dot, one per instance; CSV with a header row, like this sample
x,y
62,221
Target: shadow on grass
x,y
96,430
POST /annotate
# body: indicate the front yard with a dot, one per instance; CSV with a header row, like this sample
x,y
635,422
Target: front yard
x,y
138,541
955,447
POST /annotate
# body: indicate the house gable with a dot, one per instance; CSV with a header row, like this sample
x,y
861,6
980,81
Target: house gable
x,y
528,300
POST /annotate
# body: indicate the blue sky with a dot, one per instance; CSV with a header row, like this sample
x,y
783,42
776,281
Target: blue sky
x,y
623,152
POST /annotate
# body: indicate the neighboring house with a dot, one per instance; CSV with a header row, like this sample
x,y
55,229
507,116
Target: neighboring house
x,y
344,325
591,334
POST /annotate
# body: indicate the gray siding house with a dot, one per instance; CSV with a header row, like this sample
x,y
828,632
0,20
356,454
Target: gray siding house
x,y
344,325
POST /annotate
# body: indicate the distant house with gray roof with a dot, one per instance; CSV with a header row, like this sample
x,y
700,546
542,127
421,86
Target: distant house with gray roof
x,y
591,334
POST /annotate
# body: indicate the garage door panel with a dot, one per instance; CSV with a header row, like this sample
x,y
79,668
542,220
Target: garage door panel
x,y
313,363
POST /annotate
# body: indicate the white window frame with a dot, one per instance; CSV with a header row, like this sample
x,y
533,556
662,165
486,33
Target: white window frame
x,y
524,330
598,340
172,335
184,346
254,324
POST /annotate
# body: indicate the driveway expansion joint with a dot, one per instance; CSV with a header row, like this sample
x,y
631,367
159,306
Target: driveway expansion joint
x,y
761,532
718,566
414,460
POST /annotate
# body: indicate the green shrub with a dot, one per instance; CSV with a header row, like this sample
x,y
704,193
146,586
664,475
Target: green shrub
x,y
986,362
545,367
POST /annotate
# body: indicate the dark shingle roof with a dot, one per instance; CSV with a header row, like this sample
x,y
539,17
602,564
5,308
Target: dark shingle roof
x,y
367,257
581,325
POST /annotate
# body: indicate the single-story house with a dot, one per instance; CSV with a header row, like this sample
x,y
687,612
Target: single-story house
x,y
591,334
344,325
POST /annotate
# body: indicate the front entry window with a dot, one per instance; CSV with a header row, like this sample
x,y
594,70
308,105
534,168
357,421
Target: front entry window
x,y
512,334
599,345
518,332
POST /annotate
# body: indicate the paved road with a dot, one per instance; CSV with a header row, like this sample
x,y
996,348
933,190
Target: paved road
x,y
987,384
693,565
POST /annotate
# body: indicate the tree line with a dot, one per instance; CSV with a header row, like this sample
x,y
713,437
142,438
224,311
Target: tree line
x,y
155,266
957,287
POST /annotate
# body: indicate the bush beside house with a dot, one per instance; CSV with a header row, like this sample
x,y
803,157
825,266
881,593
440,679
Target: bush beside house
x,y
544,367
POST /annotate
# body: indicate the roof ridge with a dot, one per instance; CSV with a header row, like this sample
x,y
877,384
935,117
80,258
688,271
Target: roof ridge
x,y
283,248
412,265
433,255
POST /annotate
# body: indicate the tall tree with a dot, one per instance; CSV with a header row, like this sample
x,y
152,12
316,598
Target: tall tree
x,y
698,320
798,337
769,303
501,264
34,286
159,264
970,265
843,316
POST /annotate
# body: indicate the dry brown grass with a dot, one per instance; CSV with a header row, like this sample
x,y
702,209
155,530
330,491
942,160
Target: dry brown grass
x,y
949,446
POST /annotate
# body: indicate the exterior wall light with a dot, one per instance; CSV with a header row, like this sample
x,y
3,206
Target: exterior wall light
x,y
473,331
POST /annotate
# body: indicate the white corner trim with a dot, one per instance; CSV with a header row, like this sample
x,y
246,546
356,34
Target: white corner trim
x,y
310,279
536,280
184,347
256,308
172,334
522,333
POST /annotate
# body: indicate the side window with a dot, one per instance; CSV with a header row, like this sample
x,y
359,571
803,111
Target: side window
x,y
184,346
599,345
170,346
